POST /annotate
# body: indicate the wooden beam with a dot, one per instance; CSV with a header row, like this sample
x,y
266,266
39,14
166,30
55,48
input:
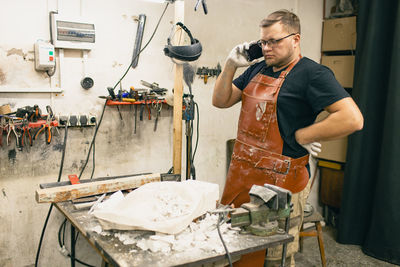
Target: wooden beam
x,y
178,93
69,192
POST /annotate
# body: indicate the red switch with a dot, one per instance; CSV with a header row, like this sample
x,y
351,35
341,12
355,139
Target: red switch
x,y
51,58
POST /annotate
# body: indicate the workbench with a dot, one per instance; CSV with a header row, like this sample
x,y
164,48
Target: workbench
x,y
115,253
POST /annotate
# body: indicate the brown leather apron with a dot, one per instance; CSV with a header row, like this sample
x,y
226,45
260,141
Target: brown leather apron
x,y
257,155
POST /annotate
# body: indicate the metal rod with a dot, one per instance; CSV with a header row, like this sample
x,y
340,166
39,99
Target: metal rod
x,y
284,247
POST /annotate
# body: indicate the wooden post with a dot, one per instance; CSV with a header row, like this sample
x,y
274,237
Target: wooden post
x,y
178,93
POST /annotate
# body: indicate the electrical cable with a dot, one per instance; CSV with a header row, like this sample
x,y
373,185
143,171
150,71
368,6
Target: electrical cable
x,y
192,156
228,255
61,229
197,130
93,140
50,74
64,251
61,242
51,206
94,161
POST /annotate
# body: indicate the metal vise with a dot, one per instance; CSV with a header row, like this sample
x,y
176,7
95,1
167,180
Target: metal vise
x,y
268,206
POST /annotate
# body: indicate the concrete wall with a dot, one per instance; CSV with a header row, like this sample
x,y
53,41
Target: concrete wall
x,y
118,150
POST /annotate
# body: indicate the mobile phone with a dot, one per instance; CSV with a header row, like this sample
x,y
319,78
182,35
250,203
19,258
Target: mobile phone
x,y
254,52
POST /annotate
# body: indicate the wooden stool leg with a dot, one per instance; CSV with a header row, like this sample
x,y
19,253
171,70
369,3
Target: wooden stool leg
x,y
301,240
321,243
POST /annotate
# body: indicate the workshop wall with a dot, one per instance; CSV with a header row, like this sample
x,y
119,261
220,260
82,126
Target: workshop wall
x,y
118,149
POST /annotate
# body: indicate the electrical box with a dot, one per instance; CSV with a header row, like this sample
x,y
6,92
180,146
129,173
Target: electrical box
x,y
44,56
72,33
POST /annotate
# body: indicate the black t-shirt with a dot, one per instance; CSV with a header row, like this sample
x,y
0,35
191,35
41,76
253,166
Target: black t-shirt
x,y
307,90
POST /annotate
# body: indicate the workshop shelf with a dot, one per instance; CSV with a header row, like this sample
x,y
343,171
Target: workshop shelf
x,y
150,101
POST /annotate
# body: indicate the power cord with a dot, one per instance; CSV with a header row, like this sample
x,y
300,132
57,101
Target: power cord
x,y
51,206
61,242
94,160
197,140
193,104
228,255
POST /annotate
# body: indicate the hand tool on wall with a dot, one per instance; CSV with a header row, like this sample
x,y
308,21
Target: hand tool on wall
x,y
19,137
47,127
50,117
205,72
204,4
147,106
25,134
155,88
11,128
36,114
138,41
134,131
157,106
141,112
113,97
3,127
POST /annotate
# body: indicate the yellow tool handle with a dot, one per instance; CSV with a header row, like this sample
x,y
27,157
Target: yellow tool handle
x,y
129,100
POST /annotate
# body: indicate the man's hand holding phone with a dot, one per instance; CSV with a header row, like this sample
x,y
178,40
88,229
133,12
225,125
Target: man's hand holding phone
x,y
239,56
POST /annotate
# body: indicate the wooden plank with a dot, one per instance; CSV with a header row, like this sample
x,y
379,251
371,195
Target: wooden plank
x,y
164,177
55,184
69,192
178,93
177,146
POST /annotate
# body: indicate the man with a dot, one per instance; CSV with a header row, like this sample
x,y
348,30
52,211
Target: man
x,y
281,98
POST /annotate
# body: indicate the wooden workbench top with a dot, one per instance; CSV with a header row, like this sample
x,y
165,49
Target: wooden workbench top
x,y
118,254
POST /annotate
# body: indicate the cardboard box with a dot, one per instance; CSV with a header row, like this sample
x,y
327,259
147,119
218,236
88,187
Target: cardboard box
x,y
331,187
5,109
335,150
342,67
339,34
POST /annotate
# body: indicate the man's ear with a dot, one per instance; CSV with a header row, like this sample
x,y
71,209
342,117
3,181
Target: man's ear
x,y
296,40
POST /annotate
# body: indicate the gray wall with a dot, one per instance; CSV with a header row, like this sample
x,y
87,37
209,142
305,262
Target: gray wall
x,y
118,150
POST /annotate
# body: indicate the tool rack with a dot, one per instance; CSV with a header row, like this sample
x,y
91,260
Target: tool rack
x,y
150,101
32,125
39,124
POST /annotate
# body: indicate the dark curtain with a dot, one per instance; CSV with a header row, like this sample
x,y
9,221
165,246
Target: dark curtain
x,y
370,209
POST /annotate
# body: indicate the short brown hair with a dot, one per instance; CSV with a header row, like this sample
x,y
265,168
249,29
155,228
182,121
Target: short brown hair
x,y
289,20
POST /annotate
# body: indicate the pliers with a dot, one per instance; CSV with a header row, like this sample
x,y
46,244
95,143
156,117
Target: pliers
x,y
47,126
25,132
11,128
3,126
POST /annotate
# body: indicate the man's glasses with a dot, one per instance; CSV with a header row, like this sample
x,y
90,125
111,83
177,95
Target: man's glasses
x,y
272,42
